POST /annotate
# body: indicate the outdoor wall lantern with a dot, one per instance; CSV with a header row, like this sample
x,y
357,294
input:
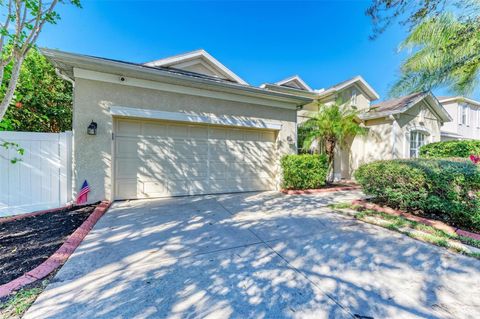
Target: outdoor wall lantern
x,y
92,128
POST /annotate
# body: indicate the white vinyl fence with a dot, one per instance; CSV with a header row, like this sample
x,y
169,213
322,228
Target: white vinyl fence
x,y
41,179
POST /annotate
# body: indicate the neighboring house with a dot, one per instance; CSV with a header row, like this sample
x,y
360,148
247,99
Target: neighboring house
x,y
465,115
178,126
397,128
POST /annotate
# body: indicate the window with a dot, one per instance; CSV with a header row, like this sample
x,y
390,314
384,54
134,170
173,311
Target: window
x,y
353,98
478,118
417,140
463,114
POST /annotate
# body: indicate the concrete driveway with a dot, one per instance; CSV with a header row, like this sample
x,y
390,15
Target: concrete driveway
x,y
255,255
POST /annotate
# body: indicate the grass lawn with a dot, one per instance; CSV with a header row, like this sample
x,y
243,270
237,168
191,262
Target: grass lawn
x,y
17,304
453,242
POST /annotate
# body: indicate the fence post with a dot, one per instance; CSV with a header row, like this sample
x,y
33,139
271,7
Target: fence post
x,y
68,159
65,156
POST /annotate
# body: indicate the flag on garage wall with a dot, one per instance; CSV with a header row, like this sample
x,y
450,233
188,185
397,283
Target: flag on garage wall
x,y
82,196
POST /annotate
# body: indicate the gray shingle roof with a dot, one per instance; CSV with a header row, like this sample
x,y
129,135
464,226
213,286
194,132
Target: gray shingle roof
x,y
396,104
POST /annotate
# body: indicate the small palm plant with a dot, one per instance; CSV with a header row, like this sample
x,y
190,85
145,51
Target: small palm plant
x,y
333,125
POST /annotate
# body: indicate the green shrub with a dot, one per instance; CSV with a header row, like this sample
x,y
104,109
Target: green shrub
x,y
448,189
447,149
304,171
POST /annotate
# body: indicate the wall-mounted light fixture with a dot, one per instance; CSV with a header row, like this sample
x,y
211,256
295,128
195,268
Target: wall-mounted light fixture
x,y
92,128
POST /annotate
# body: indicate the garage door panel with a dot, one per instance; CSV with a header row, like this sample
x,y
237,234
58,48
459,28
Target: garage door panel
x,y
127,147
179,187
154,189
199,187
127,167
128,128
268,137
152,129
197,169
177,131
125,189
218,133
155,159
157,147
199,132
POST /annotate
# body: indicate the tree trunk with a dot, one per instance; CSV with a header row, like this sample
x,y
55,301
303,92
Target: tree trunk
x,y
330,150
12,85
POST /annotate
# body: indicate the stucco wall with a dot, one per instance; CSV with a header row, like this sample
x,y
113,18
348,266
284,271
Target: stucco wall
x,y
345,95
375,145
452,109
92,100
389,137
414,120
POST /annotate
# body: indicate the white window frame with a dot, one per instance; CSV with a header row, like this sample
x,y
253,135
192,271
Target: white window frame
x,y
478,117
463,116
421,138
353,97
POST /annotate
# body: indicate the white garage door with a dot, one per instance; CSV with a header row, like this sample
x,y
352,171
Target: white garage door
x,y
155,159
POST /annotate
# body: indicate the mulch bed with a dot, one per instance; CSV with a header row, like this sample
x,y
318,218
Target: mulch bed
x,y
26,243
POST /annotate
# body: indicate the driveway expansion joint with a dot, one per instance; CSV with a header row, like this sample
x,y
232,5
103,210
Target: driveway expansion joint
x,y
294,268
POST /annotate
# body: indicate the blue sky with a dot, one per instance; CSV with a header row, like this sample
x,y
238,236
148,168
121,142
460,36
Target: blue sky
x,y
324,42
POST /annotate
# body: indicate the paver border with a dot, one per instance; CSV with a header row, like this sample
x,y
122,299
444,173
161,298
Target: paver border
x,y
426,221
319,190
58,258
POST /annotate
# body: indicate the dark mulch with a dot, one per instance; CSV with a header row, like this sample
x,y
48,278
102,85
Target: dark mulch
x,y
27,242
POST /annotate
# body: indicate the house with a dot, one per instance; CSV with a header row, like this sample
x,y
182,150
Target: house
x,y
178,126
465,115
397,128
188,125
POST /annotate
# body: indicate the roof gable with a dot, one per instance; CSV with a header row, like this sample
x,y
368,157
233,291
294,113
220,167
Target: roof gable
x,y
404,103
359,82
458,99
198,61
294,82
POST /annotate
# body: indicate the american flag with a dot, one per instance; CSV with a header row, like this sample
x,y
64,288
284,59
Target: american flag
x,y
82,196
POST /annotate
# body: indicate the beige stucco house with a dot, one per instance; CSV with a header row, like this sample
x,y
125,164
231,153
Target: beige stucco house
x,y
465,113
396,128
178,126
188,125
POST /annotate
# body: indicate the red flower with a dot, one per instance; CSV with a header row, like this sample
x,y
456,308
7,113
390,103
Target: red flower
x,y
475,159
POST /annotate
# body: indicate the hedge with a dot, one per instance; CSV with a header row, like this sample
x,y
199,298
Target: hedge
x,y
304,171
447,189
447,149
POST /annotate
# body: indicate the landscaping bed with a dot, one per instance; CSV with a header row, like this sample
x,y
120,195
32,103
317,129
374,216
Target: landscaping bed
x,y
28,242
438,189
333,187
419,230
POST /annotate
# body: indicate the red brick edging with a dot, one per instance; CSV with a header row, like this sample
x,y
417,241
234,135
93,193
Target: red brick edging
x,y
429,222
60,256
32,214
318,190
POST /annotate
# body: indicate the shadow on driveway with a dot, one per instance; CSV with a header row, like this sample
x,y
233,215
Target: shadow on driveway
x,y
255,255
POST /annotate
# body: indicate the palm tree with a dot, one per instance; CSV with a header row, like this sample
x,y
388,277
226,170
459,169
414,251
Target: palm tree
x,y
333,125
445,52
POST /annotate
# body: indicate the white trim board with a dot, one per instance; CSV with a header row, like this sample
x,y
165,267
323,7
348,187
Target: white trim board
x,y
123,111
178,60
161,86
294,78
